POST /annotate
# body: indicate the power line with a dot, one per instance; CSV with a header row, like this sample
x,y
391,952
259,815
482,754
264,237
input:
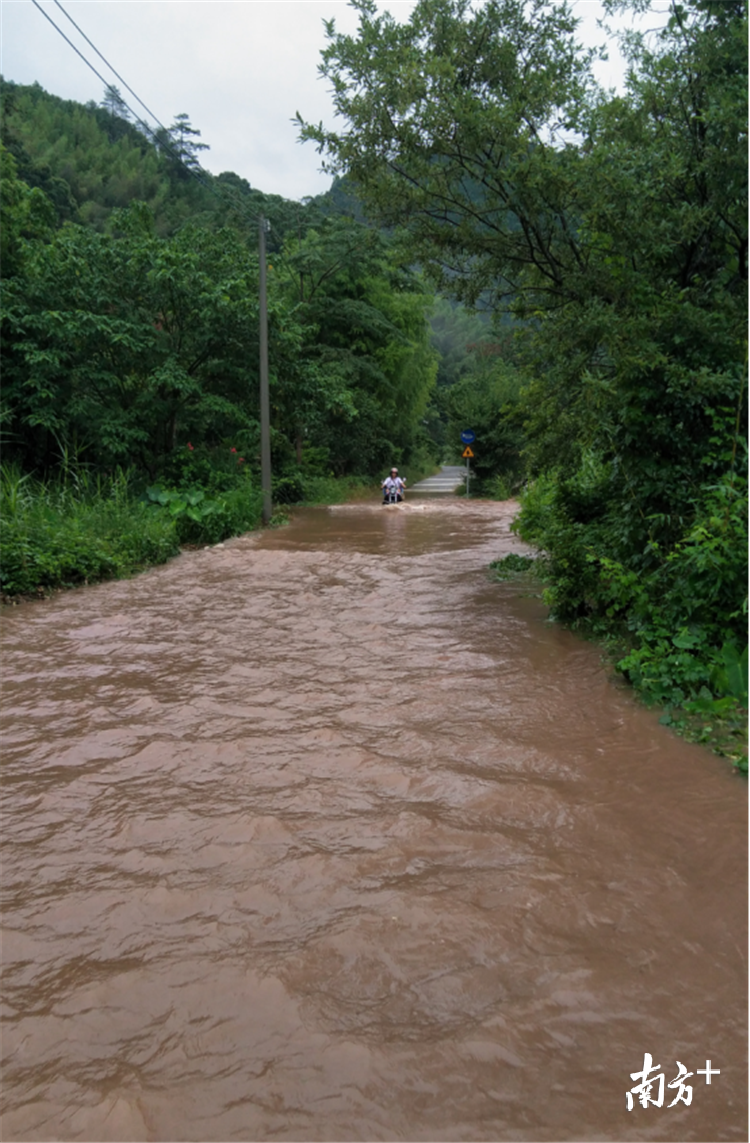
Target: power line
x,y
109,65
233,202
75,49
164,143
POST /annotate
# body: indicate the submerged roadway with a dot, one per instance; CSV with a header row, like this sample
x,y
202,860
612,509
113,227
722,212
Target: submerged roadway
x,y
324,835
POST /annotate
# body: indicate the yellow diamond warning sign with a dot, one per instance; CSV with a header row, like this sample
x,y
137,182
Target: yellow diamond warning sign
x,y
467,453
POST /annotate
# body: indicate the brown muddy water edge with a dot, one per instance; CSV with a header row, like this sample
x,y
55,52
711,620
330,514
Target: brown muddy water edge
x,y
323,835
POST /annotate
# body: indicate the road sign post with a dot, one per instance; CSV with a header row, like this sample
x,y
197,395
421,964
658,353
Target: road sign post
x,y
468,436
468,454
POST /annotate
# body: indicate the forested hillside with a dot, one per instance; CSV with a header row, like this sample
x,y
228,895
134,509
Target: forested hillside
x,y
130,306
130,338
612,231
90,160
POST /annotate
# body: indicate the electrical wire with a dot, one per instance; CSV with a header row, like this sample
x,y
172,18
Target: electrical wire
x,y
75,49
109,65
159,143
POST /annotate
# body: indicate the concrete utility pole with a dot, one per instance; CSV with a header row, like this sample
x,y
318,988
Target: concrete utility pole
x,y
265,417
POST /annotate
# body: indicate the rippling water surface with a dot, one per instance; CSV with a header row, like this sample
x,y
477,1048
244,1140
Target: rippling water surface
x,y
321,835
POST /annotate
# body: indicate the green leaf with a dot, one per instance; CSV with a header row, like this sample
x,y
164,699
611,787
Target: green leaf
x,y
157,495
736,665
685,640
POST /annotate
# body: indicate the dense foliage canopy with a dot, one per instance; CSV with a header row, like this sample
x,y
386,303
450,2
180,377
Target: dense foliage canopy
x,y
131,328
612,230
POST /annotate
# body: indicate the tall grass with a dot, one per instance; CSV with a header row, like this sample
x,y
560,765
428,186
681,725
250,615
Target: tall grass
x,y
75,529
82,527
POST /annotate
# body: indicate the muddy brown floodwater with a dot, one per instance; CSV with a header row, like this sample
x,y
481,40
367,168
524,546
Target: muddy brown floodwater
x,y
322,835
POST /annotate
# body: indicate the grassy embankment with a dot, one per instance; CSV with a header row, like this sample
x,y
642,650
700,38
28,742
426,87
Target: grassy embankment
x,y
80,529
74,530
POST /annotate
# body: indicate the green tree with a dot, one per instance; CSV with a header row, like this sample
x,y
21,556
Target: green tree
x,y
86,160
487,399
129,343
90,161
114,103
613,229
452,125
25,213
367,334
180,143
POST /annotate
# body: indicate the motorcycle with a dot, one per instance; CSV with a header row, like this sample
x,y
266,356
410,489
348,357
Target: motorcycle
x,y
392,496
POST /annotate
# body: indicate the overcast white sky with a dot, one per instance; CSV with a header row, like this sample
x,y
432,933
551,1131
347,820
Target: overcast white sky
x,y
239,68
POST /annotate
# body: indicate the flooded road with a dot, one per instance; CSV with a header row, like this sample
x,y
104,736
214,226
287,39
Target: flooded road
x,y
321,835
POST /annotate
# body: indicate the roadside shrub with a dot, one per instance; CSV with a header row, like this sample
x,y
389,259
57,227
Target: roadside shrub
x,y
336,489
289,489
316,461
496,488
215,469
54,536
199,519
669,593
537,511
512,566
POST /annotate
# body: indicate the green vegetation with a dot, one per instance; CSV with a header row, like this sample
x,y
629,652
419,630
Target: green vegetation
x,y
130,343
479,384
92,160
488,399
70,532
607,235
512,566
82,527
599,242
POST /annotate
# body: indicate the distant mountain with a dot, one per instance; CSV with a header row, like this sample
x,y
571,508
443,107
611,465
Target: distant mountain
x,y
91,159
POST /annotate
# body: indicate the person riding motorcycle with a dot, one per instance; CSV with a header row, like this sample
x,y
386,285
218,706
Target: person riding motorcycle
x,y
393,486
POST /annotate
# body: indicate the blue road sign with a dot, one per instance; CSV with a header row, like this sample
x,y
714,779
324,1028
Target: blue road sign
x,y
468,437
